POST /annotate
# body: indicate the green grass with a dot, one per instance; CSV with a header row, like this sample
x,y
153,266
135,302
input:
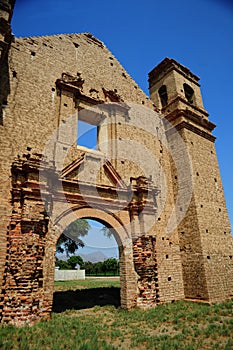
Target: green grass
x,y
86,284
180,325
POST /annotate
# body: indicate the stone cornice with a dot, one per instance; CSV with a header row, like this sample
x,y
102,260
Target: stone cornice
x,y
181,99
191,116
190,127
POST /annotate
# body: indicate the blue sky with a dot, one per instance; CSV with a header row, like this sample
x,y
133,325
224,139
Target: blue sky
x,y
140,34
97,241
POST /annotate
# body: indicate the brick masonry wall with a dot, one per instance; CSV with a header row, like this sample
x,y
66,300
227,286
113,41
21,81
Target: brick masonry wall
x,y
47,80
34,110
212,224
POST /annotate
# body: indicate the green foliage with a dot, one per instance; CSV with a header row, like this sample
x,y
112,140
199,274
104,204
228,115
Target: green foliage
x,y
108,232
71,263
109,267
63,265
88,266
70,240
86,284
74,260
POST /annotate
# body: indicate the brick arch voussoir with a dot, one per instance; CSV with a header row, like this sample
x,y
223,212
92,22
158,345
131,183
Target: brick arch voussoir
x,y
121,229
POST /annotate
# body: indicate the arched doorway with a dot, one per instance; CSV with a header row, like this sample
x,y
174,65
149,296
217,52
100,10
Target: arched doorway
x,y
128,276
44,202
95,281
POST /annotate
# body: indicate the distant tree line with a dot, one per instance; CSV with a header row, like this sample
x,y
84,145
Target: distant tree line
x,y
109,267
70,241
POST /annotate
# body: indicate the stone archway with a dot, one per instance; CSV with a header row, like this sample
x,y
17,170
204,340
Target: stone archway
x,y
128,276
44,202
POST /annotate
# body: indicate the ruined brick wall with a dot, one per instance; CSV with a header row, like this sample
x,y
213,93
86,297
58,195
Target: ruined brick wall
x,y
33,105
50,79
6,11
6,37
48,84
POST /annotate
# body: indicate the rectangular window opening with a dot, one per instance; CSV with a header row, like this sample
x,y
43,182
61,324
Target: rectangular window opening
x,y
87,135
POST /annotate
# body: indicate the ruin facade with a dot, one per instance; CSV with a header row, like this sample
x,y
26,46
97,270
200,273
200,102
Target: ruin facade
x,y
153,177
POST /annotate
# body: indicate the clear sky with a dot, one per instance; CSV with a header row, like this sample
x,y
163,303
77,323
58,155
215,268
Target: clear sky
x,y
198,34
97,241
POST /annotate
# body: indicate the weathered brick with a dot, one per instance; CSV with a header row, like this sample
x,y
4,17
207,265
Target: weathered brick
x,y
47,84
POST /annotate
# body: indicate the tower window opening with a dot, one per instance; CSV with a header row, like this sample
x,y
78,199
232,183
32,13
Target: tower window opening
x,y
163,95
189,93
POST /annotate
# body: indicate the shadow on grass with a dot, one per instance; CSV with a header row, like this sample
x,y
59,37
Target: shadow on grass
x,y
85,298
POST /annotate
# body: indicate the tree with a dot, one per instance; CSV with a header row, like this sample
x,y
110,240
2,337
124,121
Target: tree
x,y
98,267
107,231
63,265
69,241
111,265
89,266
74,260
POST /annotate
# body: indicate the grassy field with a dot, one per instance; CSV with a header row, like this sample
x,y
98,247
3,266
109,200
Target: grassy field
x,y
88,283
180,325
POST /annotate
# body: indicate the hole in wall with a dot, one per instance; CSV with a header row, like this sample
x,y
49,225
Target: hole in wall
x,y
87,135
189,92
163,95
91,245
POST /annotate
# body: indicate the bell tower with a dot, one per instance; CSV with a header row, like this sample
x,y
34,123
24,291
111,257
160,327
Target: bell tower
x,y
205,238
174,86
